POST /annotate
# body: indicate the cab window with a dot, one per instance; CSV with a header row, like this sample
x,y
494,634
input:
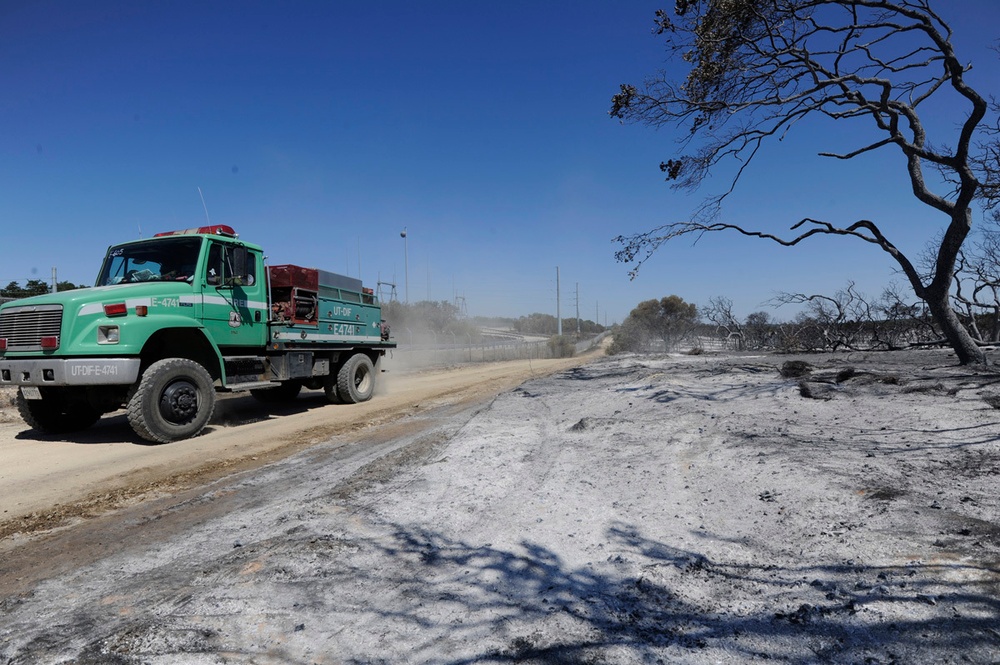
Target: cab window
x,y
220,266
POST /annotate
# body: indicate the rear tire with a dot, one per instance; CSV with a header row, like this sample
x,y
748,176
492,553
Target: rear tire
x,y
330,390
356,379
175,400
54,415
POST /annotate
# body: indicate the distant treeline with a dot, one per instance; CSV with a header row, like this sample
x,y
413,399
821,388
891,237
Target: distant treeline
x,y
34,287
847,320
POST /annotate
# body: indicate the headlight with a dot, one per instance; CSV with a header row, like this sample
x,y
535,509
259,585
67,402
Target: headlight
x,y
107,335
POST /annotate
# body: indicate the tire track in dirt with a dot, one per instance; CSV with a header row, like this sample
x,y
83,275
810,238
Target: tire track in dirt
x,y
58,481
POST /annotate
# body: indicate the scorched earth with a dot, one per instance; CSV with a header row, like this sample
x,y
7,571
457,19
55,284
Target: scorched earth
x,y
676,509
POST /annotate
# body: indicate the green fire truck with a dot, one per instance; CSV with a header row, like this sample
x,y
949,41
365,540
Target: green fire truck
x,y
178,317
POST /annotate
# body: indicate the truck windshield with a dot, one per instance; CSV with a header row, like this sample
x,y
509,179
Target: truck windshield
x,y
157,260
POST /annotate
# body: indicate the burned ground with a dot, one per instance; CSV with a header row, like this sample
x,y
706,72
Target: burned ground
x,y
698,509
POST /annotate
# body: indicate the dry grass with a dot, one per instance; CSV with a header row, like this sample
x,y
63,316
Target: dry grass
x,y
8,411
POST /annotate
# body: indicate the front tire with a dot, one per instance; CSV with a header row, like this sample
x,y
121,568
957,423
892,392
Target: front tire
x,y
55,415
175,400
356,379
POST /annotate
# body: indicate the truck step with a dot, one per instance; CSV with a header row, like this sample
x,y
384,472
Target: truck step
x,y
236,387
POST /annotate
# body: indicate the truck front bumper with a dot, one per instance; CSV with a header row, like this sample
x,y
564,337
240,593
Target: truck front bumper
x,y
68,372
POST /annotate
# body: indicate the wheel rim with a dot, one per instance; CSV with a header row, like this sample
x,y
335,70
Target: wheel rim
x,y
362,379
179,402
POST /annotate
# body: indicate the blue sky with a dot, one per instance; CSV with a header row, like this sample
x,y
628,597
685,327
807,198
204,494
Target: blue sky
x,y
321,129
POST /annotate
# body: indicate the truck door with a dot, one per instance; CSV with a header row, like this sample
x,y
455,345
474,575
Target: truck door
x,y
234,305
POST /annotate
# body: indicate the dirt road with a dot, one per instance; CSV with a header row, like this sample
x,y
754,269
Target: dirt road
x,y
47,481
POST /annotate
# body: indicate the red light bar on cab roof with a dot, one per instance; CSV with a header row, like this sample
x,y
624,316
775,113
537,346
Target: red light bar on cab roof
x,y
215,229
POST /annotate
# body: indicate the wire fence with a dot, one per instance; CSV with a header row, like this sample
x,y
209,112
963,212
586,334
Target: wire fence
x,y
458,351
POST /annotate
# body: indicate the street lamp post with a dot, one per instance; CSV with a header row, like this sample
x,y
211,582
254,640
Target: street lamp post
x,y
406,266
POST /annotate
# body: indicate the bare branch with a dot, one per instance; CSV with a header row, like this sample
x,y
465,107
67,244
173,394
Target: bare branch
x,y
859,151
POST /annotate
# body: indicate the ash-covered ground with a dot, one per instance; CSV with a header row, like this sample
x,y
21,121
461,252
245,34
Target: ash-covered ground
x,y
683,509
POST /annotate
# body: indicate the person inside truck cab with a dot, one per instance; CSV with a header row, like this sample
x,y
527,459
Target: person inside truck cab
x,y
172,270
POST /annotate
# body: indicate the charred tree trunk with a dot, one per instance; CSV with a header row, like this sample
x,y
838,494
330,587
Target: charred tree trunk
x,y
937,294
958,337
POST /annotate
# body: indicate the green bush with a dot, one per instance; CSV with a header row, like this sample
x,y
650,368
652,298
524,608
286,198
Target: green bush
x,y
562,346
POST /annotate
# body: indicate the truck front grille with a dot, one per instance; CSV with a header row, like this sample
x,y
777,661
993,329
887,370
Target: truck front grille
x,y
25,326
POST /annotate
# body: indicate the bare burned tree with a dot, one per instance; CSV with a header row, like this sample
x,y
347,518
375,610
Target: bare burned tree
x,y
906,322
844,320
977,286
720,314
757,67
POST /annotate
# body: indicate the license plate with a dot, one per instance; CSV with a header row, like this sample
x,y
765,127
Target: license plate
x,y
31,392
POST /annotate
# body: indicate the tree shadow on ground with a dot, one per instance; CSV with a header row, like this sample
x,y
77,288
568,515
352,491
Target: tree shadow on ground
x,y
638,601
672,605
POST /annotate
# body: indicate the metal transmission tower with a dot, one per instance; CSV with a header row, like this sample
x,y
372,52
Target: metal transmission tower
x,y
392,291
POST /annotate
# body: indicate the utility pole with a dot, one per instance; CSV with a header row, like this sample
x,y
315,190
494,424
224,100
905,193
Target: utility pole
x,y
578,308
55,286
558,306
406,267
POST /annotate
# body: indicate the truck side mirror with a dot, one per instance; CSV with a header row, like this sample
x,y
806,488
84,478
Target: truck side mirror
x,y
237,268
